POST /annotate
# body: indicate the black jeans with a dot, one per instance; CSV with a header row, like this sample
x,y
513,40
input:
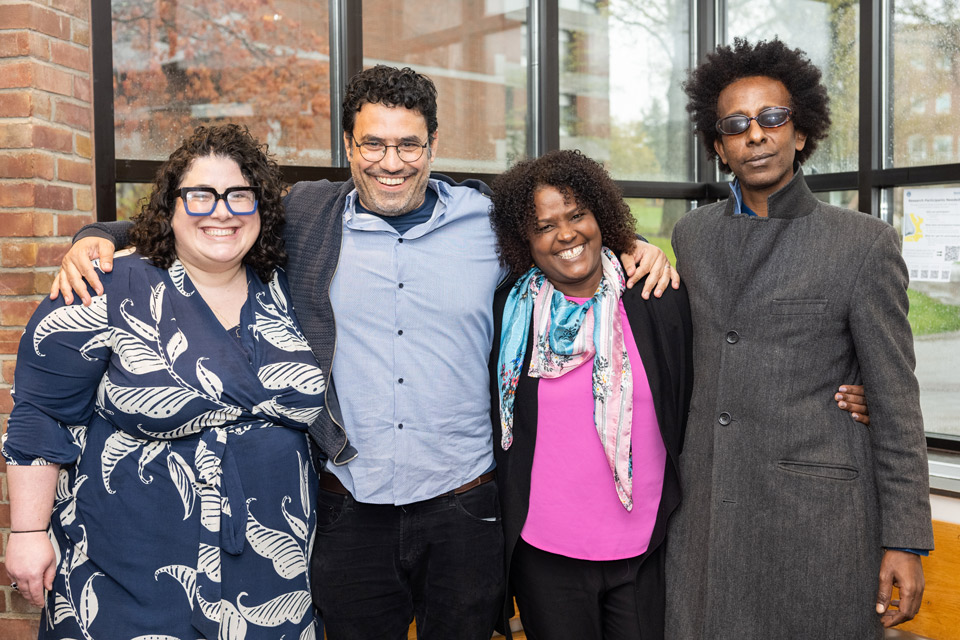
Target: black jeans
x,y
562,598
377,567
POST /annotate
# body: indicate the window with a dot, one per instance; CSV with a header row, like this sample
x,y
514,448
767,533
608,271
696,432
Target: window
x,y
943,103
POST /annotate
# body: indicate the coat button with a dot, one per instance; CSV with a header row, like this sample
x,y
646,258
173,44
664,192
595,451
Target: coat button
x,y
732,337
724,418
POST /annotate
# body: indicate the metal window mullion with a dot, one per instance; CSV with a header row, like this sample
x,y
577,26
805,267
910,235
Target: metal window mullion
x,y
104,144
346,60
543,77
870,106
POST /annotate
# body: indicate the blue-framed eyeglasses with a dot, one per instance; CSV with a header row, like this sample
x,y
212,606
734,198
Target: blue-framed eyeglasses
x,y
201,201
769,118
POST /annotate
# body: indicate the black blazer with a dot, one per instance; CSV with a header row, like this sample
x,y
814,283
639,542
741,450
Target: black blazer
x,y
663,333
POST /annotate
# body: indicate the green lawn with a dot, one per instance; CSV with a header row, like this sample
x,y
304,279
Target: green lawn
x,y
929,316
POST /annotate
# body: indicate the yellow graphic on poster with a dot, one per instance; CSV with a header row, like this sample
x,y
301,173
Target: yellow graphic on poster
x,y
931,233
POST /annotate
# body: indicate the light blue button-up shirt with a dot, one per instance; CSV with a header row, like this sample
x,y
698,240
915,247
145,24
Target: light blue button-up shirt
x,y
414,329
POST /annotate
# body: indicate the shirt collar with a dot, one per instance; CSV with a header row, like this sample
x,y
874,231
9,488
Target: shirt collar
x,y
739,208
359,220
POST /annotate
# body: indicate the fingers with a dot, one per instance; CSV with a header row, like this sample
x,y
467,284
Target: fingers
x,y
905,571
851,398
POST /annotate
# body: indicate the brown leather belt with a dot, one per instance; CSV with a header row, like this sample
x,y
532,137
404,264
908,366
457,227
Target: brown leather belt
x,y
329,482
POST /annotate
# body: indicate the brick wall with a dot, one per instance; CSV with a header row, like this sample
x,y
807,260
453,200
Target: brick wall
x,y
46,194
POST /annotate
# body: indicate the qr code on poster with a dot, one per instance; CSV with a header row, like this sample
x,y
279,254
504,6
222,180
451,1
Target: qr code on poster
x,y
951,254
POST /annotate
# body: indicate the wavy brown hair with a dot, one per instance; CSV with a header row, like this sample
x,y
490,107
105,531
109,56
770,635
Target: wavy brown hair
x,y
152,231
773,59
513,213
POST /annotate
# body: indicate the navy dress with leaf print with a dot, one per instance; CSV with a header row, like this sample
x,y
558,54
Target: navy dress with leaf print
x,y
185,501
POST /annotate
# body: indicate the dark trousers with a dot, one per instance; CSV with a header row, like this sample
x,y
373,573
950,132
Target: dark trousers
x,y
440,561
563,598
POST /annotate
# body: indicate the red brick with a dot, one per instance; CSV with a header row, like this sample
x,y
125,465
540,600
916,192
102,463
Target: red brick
x,y
53,80
19,629
83,146
5,508
14,313
50,254
83,199
42,105
68,225
7,369
38,19
81,32
16,74
16,104
17,194
18,254
81,89
26,165
54,197
77,116
42,281
9,340
17,16
73,171
17,283
26,225
45,137
15,44
18,604
76,8
70,55
15,136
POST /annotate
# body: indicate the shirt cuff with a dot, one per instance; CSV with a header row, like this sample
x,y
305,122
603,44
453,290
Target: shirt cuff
x,y
919,552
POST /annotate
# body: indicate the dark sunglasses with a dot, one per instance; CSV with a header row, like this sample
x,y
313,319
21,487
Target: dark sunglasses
x,y
769,118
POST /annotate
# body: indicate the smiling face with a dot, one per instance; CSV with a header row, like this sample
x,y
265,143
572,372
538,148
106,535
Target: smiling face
x,y
762,159
565,243
391,186
218,242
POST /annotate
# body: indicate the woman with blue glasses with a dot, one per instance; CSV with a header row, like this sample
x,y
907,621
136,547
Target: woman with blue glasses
x,y
159,475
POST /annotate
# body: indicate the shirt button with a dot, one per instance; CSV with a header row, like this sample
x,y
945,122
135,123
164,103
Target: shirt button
x,y
400,285
400,240
724,418
400,380
400,426
733,337
400,332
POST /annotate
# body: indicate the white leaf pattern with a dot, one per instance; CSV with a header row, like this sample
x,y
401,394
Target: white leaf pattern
x,y
212,418
309,632
276,292
150,451
279,335
69,512
115,449
208,561
139,326
74,318
210,381
89,604
298,526
305,378
184,480
61,609
277,546
177,273
176,346
186,576
135,356
305,501
232,624
101,339
153,402
289,607
276,410
156,301
209,507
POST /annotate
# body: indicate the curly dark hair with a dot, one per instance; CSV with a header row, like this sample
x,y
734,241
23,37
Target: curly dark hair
x,y
513,214
152,231
392,87
773,59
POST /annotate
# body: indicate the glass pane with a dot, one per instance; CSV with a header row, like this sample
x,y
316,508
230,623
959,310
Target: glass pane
x,y
844,199
829,33
656,218
621,66
931,247
181,63
475,52
131,196
923,91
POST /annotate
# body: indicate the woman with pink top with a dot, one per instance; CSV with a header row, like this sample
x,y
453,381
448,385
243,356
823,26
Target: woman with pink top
x,y
590,386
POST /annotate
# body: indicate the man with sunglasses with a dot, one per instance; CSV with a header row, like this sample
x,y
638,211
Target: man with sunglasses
x,y
791,511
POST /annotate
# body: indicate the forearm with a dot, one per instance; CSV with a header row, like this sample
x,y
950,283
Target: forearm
x,y
118,232
32,490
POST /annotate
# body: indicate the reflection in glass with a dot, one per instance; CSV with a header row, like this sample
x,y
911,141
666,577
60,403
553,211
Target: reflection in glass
x,y
934,303
475,52
923,92
621,66
843,199
829,33
182,63
656,218
131,196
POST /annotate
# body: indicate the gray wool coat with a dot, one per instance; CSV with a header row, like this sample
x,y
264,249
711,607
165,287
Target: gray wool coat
x,y
787,502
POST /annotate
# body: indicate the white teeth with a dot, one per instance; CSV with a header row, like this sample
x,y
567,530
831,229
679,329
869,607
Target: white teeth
x,y
219,232
570,254
390,181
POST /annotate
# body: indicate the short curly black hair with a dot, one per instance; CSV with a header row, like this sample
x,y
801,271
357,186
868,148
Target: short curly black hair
x,y
152,232
392,87
513,214
773,59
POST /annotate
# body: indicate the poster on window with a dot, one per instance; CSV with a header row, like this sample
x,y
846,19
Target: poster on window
x,y
931,233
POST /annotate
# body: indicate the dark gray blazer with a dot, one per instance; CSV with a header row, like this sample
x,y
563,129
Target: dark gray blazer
x,y
787,502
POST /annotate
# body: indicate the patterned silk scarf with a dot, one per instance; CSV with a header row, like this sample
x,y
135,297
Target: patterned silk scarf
x,y
566,335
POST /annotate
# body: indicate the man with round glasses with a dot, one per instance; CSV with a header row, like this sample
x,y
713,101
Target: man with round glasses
x,y
796,521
